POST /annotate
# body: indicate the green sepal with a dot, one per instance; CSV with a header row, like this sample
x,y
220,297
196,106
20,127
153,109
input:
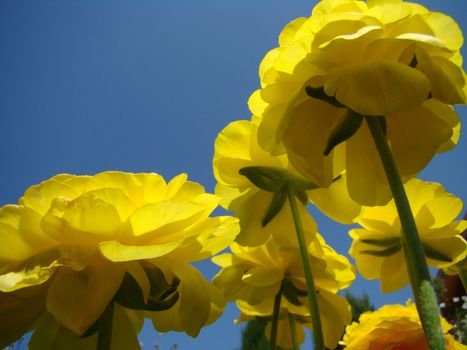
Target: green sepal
x,y
266,178
319,94
277,181
382,121
385,252
162,295
434,254
277,203
302,196
345,129
385,242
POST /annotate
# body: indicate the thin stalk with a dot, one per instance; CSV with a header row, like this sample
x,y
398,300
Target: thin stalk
x,y
420,279
104,335
293,332
310,284
275,318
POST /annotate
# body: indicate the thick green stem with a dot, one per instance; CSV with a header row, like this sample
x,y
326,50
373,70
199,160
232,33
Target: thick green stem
x,y
310,284
104,335
422,288
275,318
293,332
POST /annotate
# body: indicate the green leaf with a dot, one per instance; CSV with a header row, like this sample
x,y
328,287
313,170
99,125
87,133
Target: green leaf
x,y
319,94
345,129
277,203
385,252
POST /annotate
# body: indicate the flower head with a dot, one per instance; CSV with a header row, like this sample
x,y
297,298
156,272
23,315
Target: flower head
x,y
393,327
254,275
377,247
77,243
237,148
352,59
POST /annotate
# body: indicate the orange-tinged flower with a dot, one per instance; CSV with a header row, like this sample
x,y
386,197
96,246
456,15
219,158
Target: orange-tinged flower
x,y
393,327
76,243
378,58
377,247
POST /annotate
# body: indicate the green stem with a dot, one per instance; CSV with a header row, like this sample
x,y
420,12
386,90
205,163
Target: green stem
x,y
293,332
310,284
275,318
422,288
104,335
463,276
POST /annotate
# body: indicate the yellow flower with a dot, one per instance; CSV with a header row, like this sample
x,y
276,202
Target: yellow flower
x,y
254,275
377,247
393,327
236,148
350,58
75,243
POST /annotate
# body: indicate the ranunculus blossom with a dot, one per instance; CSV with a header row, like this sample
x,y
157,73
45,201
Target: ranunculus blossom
x,y
393,327
354,58
254,275
74,244
377,247
236,148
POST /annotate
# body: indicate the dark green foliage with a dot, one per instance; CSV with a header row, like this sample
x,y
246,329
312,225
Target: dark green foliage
x,y
253,336
359,304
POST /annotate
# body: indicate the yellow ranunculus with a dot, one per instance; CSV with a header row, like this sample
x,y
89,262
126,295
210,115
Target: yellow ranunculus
x,y
378,58
254,275
73,244
393,327
377,247
236,148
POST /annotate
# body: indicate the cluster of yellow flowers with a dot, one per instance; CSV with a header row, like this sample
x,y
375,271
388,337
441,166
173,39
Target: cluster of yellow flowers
x,y
81,253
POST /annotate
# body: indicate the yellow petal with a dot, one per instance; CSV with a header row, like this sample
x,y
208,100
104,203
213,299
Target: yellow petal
x,y
306,137
366,179
40,267
378,87
448,115
40,197
158,220
86,219
335,315
445,28
116,251
439,212
335,201
263,276
447,79
415,137
194,303
20,234
78,298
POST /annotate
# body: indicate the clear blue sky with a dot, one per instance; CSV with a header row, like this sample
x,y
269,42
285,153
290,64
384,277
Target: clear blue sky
x,y
145,86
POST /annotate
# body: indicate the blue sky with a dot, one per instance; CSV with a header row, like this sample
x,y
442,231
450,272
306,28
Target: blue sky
x,y
145,86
